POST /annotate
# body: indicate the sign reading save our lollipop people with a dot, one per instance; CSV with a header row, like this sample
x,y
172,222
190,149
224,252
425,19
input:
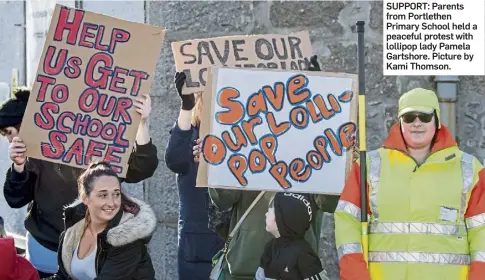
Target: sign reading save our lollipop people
x,y
277,130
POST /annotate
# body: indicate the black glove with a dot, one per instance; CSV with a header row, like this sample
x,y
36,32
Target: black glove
x,y
188,100
314,66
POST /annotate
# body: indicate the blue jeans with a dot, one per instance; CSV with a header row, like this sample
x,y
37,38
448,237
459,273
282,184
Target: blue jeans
x,y
43,259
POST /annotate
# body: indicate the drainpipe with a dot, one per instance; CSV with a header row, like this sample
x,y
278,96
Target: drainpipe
x,y
447,88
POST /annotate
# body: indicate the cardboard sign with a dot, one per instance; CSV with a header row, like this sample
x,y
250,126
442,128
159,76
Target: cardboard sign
x,y
282,131
255,51
91,70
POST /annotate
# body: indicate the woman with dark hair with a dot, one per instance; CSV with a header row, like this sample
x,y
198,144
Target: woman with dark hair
x,y
106,233
46,187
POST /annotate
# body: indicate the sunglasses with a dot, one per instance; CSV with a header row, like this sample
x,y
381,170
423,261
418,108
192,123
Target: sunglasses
x,y
411,117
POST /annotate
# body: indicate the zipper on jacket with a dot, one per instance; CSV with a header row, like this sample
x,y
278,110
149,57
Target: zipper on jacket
x,y
417,164
98,252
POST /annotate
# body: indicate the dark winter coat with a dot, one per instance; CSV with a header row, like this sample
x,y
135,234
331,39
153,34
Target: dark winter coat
x,y
197,243
48,187
121,253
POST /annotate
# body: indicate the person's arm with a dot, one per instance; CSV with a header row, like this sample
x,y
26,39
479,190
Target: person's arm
x,y
224,199
122,261
142,163
19,185
143,133
143,160
179,150
475,222
348,230
309,266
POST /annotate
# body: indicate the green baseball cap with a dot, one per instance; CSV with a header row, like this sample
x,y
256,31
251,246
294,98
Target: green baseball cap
x,y
419,100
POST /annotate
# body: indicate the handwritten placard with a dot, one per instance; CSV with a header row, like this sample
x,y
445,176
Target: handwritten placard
x,y
91,69
284,130
253,51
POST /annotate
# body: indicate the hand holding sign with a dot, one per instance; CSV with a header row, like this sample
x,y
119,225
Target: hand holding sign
x,y
314,66
188,101
143,106
16,151
197,148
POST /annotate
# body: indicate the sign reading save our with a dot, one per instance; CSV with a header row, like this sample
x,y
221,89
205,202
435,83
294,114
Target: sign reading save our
x,y
287,52
91,69
281,131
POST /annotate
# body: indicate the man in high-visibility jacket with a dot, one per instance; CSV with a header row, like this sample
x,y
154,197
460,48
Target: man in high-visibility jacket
x,y
426,204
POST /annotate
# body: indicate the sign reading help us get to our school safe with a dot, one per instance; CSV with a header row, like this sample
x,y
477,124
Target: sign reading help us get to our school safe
x,y
91,70
277,130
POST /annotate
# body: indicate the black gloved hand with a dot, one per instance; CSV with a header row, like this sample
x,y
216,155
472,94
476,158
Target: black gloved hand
x,y
188,100
314,66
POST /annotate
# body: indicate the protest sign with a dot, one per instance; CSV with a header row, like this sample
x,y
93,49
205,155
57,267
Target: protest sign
x,y
91,69
253,51
282,130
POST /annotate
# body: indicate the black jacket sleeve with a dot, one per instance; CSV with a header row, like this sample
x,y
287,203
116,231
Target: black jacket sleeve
x,y
142,163
179,150
122,261
310,267
19,188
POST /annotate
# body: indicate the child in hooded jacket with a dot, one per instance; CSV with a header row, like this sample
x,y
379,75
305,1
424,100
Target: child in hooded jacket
x,y
289,256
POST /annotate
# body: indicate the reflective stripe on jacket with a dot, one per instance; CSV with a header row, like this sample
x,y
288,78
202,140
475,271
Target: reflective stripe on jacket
x,y
425,221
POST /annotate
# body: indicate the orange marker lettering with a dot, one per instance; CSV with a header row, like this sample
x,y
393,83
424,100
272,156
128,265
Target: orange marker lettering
x,y
237,165
320,144
334,143
314,159
276,129
327,114
299,117
346,96
275,96
334,103
346,134
296,167
296,91
279,172
235,111
213,150
257,161
268,145
256,104
240,139
316,117
248,127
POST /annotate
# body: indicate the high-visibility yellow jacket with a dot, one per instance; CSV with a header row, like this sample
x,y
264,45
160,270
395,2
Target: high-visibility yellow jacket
x,y
425,221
